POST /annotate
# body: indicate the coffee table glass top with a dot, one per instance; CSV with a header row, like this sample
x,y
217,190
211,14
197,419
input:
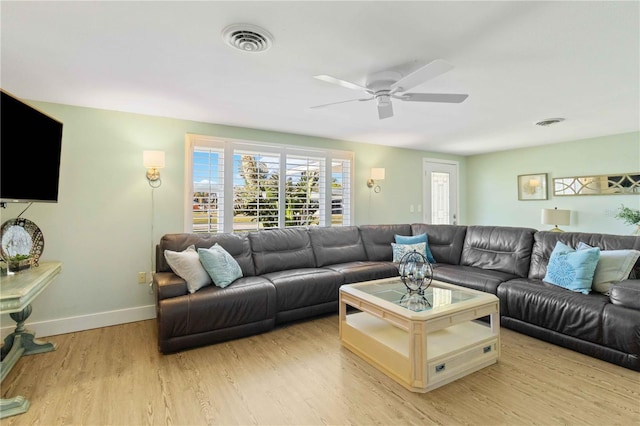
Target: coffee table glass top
x,y
433,297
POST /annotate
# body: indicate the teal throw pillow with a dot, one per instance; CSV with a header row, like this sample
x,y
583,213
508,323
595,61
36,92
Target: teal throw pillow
x,y
414,239
571,269
220,265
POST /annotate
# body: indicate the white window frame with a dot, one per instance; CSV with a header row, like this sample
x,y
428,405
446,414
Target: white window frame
x,y
230,145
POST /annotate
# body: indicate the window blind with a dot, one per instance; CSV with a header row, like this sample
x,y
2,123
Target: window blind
x,y
236,186
208,189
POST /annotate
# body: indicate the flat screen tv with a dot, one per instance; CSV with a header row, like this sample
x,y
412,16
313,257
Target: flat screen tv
x,y
30,147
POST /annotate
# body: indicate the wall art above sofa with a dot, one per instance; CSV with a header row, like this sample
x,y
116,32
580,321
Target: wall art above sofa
x,y
613,184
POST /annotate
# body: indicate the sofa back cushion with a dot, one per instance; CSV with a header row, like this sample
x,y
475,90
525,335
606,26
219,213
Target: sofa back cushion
x,y
445,241
545,241
500,248
237,245
377,240
338,244
281,249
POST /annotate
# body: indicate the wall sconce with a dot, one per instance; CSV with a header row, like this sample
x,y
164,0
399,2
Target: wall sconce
x,y
152,161
377,173
556,217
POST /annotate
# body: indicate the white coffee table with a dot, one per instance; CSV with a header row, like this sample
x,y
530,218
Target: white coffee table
x,y
426,349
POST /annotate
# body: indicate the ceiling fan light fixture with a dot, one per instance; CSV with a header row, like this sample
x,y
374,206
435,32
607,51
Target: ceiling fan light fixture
x,y
384,85
383,100
549,122
247,38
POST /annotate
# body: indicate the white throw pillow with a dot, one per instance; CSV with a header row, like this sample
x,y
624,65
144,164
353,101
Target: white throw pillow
x,y
613,266
400,250
186,264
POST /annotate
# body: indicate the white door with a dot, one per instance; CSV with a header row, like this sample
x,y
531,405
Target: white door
x,y
440,185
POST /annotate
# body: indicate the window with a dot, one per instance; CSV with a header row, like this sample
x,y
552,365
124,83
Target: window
x,y
305,179
207,189
255,189
236,185
341,191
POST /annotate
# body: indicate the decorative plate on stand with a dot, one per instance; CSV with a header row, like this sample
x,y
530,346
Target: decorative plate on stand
x,y
21,237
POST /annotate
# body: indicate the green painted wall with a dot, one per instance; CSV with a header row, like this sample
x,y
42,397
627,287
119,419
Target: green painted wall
x,y
492,197
101,228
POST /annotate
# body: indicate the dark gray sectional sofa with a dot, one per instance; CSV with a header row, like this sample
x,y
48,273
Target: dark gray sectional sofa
x,y
295,273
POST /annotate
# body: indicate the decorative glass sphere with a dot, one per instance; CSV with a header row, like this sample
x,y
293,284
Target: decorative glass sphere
x,y
415,271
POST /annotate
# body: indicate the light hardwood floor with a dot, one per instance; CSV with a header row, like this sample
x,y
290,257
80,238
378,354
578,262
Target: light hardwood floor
x,y
299,374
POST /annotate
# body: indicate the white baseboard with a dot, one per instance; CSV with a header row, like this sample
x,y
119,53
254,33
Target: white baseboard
x,y
85,322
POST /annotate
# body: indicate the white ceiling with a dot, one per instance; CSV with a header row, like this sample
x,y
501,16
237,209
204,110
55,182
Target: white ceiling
x,y
520,62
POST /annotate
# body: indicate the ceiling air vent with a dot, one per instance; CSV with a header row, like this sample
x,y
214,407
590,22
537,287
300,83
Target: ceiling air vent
x,y
247,37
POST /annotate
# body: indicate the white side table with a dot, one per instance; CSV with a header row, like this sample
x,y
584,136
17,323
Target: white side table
x,y
16,294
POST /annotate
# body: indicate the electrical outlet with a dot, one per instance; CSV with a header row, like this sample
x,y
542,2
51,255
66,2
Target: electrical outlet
x,y
142,277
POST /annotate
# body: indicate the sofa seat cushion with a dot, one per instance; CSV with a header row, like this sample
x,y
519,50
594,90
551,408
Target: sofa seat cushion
x,y
297,288
354,272
471,277
554,308
247,300
621,328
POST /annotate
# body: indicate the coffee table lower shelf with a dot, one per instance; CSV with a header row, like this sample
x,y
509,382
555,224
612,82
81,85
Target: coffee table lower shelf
x,y
448,353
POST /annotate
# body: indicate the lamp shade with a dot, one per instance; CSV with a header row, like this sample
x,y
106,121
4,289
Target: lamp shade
x,y
556,217
377,173
153,159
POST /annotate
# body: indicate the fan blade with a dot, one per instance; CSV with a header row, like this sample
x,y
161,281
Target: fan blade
x,y
419,76
385,110
347,84
432,97
341,102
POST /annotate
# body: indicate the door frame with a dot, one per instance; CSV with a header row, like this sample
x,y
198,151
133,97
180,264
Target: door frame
x,y
426,187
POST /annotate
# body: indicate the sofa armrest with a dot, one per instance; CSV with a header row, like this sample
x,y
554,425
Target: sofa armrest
x,y
626,293
168,285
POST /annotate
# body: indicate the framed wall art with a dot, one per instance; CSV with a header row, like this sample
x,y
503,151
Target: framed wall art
x,y
532,187
612,184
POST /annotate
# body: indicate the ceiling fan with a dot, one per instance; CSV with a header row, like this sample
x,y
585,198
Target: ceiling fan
x,y
386,85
